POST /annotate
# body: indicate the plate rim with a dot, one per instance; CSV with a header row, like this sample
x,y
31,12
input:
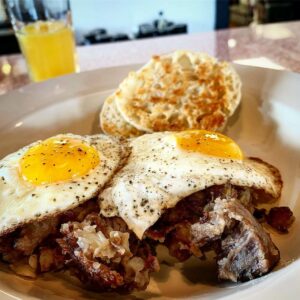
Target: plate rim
x,y
65,82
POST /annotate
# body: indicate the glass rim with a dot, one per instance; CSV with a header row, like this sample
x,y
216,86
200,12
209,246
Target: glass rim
x,y
22,12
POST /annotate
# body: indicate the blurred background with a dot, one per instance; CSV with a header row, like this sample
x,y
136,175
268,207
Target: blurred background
x,y
114,21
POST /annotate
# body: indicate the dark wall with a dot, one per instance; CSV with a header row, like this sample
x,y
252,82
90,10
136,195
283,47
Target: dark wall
x,y
222,14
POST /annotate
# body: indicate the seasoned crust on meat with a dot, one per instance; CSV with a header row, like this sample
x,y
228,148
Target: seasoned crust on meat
x,y
106,256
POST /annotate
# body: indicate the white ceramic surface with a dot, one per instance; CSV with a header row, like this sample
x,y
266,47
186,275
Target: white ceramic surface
x,y
267,125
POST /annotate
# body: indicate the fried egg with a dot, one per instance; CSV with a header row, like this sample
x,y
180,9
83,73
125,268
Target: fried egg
x,y
54,175
164,168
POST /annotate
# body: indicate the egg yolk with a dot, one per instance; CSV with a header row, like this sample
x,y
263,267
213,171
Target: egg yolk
x,y
209,143
58,159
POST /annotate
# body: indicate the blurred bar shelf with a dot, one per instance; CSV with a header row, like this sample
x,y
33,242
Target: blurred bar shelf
x,y
273,46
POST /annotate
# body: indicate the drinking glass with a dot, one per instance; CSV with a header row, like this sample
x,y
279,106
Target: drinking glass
x,y
45,35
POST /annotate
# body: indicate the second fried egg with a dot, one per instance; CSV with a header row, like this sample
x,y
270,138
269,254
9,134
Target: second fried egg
x,y
165,167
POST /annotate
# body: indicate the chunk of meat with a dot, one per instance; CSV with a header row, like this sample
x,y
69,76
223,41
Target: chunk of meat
x,y
106,256
179,242
280,218
33,234
91,272
173,229
246,251
220,219
33,249
48,259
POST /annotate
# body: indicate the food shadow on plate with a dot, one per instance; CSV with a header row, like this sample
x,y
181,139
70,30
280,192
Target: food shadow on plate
x,y
57,286
234,118
193,270
95,125
74,286
192,277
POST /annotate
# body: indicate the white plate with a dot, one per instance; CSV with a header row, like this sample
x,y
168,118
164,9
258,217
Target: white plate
x,y
266,125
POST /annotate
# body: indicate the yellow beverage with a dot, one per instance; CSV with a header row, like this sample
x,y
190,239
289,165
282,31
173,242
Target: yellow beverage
x,y
49,49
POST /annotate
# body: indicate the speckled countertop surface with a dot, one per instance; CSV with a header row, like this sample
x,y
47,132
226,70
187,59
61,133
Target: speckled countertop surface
x,y
274,46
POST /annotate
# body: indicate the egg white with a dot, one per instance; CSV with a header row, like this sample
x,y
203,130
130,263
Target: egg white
x,y
158,174
22,201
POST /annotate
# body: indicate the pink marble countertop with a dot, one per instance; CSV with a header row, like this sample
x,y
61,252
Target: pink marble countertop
x,y
274,46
